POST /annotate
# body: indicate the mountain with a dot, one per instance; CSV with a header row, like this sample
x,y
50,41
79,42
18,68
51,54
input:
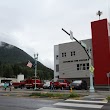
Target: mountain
x,y
12,54
16,59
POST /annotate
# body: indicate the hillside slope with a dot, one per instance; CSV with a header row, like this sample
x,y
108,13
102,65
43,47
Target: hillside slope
x,y
11,56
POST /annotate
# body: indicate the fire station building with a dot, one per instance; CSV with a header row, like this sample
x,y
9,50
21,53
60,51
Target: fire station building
x,y
72,62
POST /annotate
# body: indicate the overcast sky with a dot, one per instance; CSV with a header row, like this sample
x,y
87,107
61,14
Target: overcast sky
x,y
35,25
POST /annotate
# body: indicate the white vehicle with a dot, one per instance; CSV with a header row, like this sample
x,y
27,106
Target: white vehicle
x,y
1,84
46,85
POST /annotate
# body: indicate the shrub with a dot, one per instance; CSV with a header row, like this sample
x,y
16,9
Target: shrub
x,y
108,98
55,95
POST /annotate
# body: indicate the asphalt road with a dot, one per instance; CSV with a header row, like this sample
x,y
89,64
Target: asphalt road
x,y
18,99
22,103
26,103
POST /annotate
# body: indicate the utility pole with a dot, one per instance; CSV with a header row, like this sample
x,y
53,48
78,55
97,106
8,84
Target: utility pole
x,y
36,59
91,89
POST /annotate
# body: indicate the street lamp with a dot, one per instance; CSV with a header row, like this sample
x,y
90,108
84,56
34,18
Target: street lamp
x,y
91,73
36,59
83,45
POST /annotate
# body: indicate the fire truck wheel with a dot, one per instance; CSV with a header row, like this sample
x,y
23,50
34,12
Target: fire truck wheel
x,y
15,87
27,87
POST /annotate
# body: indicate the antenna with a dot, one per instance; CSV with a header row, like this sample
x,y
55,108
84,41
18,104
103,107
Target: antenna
x,y
99,13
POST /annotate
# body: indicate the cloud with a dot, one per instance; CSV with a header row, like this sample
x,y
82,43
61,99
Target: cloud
x,y
35,25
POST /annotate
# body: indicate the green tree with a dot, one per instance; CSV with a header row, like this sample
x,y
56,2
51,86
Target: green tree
x,y
1,70
8,71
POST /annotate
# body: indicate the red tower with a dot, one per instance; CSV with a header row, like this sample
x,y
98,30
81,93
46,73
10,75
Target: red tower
x,y
101,51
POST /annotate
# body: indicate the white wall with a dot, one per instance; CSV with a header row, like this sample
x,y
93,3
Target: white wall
x,y
56,61
68,64
13,79
20,77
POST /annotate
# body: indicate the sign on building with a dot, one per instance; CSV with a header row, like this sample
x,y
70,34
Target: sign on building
x,y
91,69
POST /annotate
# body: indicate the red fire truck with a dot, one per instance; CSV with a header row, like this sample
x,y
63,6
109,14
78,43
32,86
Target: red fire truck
x,y
62,84
30,83
20,84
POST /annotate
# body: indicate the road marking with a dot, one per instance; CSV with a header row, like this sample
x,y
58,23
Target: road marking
x,y
50,108
71,100
79,105
98,98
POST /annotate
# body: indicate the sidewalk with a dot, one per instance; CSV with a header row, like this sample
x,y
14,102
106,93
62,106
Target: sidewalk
x,y
27,92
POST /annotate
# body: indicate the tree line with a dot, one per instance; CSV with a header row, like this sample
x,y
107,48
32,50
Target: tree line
x,y
12,70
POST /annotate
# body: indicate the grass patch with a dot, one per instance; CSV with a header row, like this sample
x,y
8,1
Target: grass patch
x,y
55,95
108,98
73,95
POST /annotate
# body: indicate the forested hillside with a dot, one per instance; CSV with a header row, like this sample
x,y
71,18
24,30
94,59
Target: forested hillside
x,y
13,61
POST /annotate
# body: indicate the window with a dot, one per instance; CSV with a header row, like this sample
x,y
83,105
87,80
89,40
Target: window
x,y
84,66
80,67
56,57
64,54
77,66
73,53
57,68
87,65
